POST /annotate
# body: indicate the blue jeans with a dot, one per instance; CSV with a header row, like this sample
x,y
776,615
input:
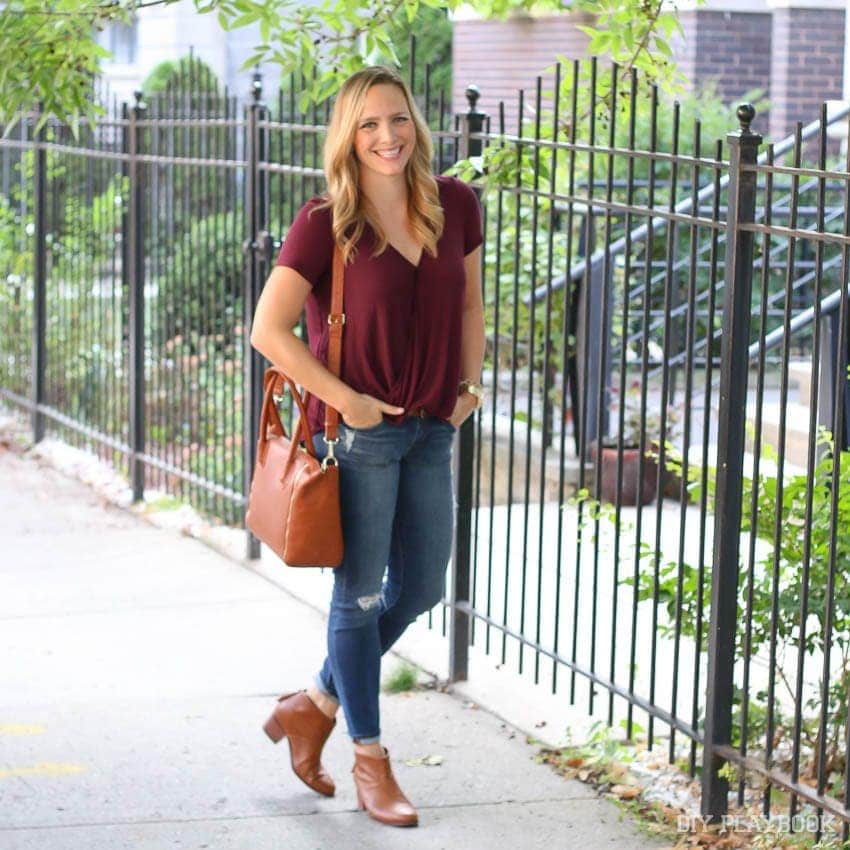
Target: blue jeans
x,y
397,508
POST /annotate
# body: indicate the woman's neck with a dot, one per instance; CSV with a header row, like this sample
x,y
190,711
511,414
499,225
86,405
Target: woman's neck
x,y
386,195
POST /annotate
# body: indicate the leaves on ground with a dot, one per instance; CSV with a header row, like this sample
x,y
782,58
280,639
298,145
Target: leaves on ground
x,y
427,761
625,792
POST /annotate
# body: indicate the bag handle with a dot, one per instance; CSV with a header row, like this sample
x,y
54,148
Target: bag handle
x,y
270,422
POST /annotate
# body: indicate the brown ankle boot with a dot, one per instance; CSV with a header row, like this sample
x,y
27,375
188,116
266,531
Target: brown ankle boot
x,y
298,718
378,792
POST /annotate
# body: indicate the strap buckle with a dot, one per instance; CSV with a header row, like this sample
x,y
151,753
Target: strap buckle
x,y
336,318
329,459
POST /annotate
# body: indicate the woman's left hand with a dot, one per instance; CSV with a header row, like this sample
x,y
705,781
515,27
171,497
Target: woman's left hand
x,y
465,405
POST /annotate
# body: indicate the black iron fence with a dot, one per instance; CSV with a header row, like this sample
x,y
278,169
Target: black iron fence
x,y
647,519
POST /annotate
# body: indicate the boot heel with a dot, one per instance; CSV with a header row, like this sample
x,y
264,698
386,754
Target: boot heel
x,y
378,792
273,729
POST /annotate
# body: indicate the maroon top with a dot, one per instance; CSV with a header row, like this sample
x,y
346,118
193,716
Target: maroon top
x,y
403,323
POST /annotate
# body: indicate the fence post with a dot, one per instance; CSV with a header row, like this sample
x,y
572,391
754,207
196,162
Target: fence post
x,y
835,360
257,251
743,152
136,294
459,621
39,324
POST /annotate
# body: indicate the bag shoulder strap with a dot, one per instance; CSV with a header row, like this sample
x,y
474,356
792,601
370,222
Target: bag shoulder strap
x,y
336,320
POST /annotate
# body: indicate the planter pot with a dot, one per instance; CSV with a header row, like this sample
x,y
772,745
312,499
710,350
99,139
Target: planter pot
x,y
671,486
632,492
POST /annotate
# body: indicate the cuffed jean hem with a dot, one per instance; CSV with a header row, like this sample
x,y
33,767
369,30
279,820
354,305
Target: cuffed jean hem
x,y
322,688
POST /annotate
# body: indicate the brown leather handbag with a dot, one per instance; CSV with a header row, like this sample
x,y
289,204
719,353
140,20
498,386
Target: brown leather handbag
x,y
293,504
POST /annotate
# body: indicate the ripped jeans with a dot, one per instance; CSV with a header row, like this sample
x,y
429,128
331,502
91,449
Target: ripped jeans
x,y
397,509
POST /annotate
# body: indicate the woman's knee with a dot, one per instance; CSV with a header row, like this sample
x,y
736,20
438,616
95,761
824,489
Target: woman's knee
x,y
357,612
412,605
431,600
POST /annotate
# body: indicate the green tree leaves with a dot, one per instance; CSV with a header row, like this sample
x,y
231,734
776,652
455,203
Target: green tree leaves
x,y
51,55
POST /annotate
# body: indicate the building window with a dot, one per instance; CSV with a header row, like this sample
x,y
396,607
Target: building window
x,y
121,40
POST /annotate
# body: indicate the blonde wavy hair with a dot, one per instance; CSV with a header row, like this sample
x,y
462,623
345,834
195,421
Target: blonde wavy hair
x,y
350,210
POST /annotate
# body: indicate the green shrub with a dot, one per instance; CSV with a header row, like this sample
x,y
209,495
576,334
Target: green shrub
x,y
788,564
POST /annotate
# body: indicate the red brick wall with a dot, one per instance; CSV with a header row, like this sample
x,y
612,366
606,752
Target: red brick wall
x,y
807,65
794,55
684,53
501,57
730,48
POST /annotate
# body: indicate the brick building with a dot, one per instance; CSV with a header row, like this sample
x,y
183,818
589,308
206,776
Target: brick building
x,y
791,49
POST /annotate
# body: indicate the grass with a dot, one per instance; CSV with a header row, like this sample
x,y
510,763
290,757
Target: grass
x,y
402,678
164,503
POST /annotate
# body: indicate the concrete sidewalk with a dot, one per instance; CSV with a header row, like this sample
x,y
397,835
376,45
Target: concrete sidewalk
x,y
138,666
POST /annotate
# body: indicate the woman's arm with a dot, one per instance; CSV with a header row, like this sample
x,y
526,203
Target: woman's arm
x,y
279,309
473,336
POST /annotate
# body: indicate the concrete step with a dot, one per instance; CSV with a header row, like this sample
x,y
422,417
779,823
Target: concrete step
x,y
513,442
800,376
766,465
797,437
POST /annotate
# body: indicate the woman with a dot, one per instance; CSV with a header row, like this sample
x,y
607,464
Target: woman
x,y
413,346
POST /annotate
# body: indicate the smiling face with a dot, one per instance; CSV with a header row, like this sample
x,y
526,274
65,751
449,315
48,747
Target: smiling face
x,y
385,135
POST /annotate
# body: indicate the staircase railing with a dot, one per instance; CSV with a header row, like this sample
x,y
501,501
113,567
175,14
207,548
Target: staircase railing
x,y
593,274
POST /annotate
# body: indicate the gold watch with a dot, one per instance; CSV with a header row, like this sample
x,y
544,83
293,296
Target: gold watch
x,y
472,387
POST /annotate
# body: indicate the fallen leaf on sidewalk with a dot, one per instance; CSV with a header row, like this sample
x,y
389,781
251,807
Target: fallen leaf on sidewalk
x,y
618,771
724,842
626,792
428,761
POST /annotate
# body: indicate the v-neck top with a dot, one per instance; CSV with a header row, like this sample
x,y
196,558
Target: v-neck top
x,y
403,323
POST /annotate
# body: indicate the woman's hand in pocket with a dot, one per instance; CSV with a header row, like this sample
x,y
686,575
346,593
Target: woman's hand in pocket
x,y
464,407
366,411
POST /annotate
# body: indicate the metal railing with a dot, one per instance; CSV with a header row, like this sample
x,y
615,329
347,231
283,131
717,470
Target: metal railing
x,y
649,576
656,229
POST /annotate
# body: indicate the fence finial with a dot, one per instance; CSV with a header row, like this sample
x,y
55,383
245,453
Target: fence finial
x,y
257,85
472,95
745,112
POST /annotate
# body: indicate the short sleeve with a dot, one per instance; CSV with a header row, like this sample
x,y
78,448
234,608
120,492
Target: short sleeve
x,y
308,245
473,235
